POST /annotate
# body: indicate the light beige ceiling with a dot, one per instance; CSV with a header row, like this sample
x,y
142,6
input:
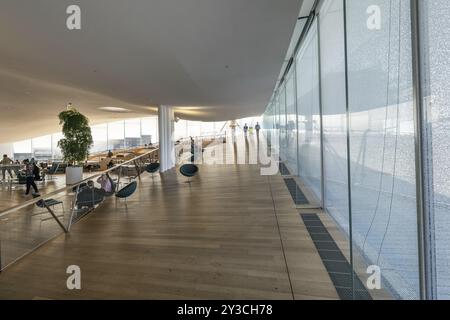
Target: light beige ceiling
x,y
213,59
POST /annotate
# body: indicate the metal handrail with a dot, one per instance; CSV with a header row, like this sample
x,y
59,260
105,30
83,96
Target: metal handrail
x,y
43,197
120,150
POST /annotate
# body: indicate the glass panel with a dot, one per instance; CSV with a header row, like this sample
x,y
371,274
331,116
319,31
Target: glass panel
x,y
132,133
219,127
334,121
181,129
57,155
194,128
282,123
308,108
291,124
100,137
42,148
207,128
22,150
382,150
436,50
149,130
116,135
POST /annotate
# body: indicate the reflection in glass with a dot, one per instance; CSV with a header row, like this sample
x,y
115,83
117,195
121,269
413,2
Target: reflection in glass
x,y
291,124
308,107
435,31
382,153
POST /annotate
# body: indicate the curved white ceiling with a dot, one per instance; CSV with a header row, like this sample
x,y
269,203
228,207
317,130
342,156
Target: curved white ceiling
x,y
221,56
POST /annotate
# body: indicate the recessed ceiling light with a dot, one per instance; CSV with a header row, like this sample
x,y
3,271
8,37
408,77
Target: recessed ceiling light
x,y
114,109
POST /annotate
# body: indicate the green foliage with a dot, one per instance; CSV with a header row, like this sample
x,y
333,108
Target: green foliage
x,y
77,136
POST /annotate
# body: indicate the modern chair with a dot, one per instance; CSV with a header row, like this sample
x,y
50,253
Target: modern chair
x,y
152,168
49,203
127,191
52,170
188,170
79,187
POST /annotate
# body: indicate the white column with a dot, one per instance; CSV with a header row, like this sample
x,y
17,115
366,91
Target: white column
x,y
166,128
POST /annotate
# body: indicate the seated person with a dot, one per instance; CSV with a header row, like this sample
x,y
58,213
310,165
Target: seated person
x,y
106,183
89,196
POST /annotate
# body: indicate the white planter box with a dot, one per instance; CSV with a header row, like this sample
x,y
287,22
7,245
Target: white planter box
x,y
74,175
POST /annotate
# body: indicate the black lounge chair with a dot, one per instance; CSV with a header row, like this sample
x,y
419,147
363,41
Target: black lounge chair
x,y
79,187
127,191
48,203
152,168
88,197
188,170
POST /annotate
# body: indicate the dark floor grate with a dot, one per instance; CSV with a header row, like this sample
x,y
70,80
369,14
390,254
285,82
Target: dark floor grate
x,y
284,171
337,266
297,195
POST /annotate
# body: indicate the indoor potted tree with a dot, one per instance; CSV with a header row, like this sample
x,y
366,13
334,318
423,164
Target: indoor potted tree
x,y
76,142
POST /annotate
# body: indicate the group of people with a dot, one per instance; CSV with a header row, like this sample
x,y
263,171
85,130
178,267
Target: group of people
x,y
250,129
31,171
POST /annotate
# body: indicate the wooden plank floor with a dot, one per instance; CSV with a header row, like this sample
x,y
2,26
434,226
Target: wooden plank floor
x,y
231,234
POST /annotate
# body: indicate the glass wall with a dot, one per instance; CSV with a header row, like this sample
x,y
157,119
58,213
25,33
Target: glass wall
x,y
56,151
356,110
268,122
435,37
41,147
291,124
132,133
115,135
382,150
308,107
282,122
128,133
149,130
100,137
187,128
334,106
22,150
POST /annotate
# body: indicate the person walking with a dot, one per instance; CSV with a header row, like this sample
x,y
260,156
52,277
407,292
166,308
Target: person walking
x,y
245,129
29,175
6,161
